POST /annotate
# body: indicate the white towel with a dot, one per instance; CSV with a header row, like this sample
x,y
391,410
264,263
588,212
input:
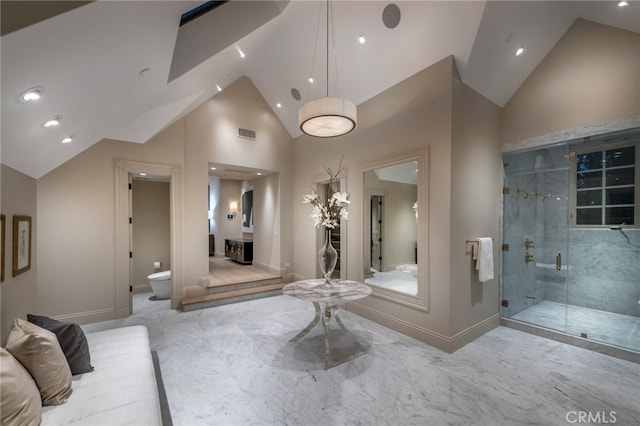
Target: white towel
x,y
484,259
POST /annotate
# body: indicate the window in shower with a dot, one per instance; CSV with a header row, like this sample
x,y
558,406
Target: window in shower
x,y
606,183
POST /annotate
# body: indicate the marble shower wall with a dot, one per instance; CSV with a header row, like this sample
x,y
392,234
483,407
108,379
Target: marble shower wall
x,y
604,270
600,267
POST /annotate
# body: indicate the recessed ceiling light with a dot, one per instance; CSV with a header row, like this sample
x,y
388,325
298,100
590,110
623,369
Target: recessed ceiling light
x,y
66,140
623,4
213,168
259,174
311,80
279,105
143,174
361,39
32,94
52,122
219,88
242,55
519,51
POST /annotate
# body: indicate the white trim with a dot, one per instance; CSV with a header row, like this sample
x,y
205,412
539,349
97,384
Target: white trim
x,y
570,134
122,266
446,343
88,317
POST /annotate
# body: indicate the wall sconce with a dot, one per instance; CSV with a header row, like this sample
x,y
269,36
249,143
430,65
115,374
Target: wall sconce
x,y
415,208
233,207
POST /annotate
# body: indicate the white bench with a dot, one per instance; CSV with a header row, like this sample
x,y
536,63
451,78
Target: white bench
x,y
122,389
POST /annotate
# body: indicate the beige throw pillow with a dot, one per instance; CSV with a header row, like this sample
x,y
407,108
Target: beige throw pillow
x,y
19,397
39,352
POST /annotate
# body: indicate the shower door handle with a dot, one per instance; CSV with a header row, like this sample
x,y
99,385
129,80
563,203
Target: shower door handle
x,y
558,261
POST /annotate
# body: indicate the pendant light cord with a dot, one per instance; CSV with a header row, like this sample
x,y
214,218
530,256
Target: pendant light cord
x,y
327,48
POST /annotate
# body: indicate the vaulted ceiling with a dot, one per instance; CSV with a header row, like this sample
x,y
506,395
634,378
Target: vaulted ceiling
x,y
127,70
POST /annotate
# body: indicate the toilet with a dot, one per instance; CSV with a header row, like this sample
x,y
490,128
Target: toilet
x,y
161,284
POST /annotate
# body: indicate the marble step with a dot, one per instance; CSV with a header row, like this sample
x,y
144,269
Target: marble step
x,y
224,288
232,296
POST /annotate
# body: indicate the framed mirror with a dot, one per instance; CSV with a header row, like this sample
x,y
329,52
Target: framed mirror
x,y
392,230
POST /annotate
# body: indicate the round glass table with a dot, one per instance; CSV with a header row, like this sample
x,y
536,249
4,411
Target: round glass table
x,y
330,296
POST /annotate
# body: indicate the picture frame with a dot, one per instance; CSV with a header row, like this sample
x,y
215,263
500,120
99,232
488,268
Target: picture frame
x,y
21,244
2,241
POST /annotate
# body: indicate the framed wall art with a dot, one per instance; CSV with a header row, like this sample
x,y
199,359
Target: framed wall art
x,y
21,244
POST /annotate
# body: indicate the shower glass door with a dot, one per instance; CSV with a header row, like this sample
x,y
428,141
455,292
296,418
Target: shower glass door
x,y
536,236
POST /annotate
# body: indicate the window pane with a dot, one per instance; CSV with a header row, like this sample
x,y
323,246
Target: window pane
x,y
589,180
589,198
624,176
621,157
620,196
619,215
589,216
590,161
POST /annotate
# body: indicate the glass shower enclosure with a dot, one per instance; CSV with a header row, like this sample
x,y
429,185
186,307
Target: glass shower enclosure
x,y
571,234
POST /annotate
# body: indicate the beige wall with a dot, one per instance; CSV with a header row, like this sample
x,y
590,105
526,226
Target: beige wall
x,y
591,76
77,221
228,228
211,135
266,239
416,115
18,293
150,229
476,161
76,247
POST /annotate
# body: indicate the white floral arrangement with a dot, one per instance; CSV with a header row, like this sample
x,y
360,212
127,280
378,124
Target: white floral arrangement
x,y
328,213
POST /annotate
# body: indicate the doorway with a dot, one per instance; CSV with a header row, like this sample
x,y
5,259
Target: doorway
x,y
571,228
122,281
150,238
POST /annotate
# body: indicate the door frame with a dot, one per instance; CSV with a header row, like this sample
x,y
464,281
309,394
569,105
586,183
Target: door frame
x,y
122,170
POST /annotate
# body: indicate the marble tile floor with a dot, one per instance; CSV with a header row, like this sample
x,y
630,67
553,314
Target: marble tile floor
x,y
234,365
600,326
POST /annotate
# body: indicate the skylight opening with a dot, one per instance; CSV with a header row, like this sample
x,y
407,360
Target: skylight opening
x,y
200,10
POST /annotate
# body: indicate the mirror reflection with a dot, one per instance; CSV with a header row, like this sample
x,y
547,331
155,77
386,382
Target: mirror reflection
x,y
390,235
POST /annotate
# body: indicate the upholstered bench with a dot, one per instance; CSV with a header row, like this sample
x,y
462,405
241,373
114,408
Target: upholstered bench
x,y
121,388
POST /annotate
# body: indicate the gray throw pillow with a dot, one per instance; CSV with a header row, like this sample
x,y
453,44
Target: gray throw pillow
x,y
72,341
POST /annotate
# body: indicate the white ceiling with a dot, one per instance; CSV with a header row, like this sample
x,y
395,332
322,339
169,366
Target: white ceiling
x,y
88,60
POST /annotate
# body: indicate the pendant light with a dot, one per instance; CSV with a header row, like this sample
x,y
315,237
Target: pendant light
x,y
327,117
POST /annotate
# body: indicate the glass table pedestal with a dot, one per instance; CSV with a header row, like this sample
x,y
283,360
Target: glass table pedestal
x,y
326,299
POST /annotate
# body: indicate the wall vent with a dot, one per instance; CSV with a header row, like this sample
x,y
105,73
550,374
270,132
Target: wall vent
x,y
246,133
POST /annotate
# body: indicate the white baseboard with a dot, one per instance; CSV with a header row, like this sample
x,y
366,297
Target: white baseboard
x,y
89,317
445,343
270,268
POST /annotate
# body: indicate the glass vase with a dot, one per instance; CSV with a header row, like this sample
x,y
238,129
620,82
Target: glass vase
x,y
328,257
